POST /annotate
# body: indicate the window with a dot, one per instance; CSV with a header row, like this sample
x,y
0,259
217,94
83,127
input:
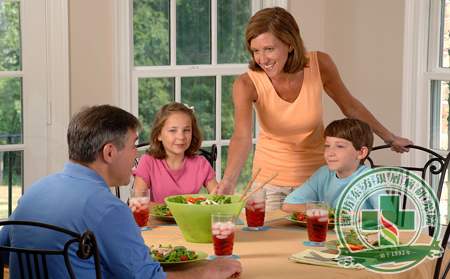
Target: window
x,y
11,109
32,142
426,79
185,51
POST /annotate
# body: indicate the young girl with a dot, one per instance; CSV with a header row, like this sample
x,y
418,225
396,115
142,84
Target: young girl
x,y
170,167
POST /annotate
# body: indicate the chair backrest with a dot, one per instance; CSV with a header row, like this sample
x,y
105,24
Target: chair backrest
x,y
434,168
34,261
136,161
211,155
439,260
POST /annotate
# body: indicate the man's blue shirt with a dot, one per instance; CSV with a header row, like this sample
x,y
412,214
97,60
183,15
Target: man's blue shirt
x,y
79,199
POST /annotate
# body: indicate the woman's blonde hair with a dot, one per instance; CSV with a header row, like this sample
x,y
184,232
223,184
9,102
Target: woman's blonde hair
x,y
282,25
156,148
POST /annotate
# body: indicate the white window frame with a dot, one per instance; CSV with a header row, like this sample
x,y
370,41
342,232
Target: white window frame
x,y
127,75
45,88
419,69
58,76
123,49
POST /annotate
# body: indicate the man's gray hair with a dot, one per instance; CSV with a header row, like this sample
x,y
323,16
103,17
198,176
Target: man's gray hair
x,y
93,127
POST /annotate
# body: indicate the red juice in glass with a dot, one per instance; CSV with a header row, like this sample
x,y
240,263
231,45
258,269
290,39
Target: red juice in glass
x,y
223,236
255,210
317,222
140,208
317,228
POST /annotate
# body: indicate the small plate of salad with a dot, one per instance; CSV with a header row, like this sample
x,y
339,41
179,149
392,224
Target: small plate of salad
x,y
162,212
176,255
300,217
353,242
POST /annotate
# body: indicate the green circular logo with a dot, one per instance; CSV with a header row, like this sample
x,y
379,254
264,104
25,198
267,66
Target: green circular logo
x,y
387,238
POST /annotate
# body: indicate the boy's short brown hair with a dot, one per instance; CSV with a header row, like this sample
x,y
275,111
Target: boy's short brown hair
x,y
358,132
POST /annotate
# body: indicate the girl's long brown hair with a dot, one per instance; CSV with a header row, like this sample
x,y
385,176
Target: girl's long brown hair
x,y
156,148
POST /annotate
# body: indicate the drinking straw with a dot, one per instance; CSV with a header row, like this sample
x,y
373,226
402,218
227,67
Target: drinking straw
x,y
250,183
262,185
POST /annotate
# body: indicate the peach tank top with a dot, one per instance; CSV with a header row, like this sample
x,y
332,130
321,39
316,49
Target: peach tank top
x,y
291,136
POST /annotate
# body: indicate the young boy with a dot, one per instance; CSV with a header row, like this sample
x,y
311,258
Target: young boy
x,y
348,142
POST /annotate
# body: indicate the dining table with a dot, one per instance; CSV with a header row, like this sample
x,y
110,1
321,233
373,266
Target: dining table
x,y
267,253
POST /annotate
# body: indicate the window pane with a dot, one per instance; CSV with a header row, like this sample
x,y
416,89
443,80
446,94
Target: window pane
x,y
200,92
246,173
10,111
445,30
151,32
439,134
439,115
443,203
10,181
9,37
233,16
228,108
153,93
193,32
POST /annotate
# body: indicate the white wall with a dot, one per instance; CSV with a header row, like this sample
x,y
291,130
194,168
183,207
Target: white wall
x,y
365,40
91,53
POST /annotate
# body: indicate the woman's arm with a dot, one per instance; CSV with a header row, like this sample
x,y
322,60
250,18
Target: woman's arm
x,y
351,107
244,94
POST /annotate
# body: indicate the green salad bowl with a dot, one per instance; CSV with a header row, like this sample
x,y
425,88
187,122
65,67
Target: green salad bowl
x,y
194,220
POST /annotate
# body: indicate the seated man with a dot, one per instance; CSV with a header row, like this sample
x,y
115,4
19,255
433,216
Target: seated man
x,y
101,153
348,142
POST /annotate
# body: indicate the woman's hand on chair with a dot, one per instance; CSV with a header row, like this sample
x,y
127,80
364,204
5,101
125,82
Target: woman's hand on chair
x,y
399,145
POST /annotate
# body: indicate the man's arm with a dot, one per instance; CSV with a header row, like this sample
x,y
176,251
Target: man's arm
x,y
218,268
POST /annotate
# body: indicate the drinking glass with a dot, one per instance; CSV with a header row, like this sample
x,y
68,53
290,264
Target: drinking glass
x,y
255,210
222,224
317,222
139,202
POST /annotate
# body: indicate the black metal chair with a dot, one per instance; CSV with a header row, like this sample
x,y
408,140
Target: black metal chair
x,y
434,169
211,155
33,261
439,260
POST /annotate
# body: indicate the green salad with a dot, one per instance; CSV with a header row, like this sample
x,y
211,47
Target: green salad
x,y
217,199
301,215
172,254
162,210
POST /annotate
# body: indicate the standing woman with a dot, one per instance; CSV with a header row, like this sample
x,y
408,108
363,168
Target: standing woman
x,y
285,84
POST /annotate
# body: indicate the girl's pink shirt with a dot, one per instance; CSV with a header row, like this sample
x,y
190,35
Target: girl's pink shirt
x,y
165,182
